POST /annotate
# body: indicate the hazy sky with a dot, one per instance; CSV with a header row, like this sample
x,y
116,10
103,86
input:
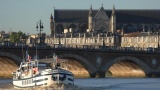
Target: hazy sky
x,y
22,15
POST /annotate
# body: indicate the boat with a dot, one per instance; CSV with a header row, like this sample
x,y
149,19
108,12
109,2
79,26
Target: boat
x,y
29,74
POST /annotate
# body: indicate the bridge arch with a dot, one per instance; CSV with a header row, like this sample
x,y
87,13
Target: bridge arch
x,y
88,66
15,58
140,63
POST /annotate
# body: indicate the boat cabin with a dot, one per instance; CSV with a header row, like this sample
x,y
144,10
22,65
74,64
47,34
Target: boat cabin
x,y
27,69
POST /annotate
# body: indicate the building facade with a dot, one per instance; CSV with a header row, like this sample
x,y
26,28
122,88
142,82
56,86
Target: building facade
x,y
104,28
141,40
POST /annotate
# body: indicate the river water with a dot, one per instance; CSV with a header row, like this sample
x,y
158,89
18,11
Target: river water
x,y
99,84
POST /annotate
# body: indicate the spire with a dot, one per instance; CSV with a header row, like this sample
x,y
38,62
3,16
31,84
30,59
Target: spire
x,y
54,15
113,10
51,16
102,7
90,11
54,9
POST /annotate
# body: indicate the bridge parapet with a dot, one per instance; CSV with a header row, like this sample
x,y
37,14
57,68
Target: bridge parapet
x,y
89,47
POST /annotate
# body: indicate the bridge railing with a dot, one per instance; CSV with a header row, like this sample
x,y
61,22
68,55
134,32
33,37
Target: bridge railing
x,y
88,48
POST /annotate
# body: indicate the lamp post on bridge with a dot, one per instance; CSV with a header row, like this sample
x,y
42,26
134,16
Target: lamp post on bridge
x,y
103,42
40,26
158,39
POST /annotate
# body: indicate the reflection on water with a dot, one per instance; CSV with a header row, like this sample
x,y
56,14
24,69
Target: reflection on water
x,y
98,84
6,84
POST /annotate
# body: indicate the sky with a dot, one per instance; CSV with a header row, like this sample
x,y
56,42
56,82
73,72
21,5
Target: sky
x,y
23,15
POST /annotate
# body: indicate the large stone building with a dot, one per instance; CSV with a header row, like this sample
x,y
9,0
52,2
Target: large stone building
x,y
125,19
100,27
75,20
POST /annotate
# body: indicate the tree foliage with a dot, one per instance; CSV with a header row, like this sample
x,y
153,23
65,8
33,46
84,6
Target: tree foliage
x,y
1,39
17,36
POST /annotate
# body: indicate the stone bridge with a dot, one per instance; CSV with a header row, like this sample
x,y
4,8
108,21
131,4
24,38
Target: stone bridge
x,y
96,62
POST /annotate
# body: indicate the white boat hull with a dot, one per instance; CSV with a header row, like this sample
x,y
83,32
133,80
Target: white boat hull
x,y
45,78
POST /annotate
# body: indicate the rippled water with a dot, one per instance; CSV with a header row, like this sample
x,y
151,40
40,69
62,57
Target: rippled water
x,y
99,84
120,83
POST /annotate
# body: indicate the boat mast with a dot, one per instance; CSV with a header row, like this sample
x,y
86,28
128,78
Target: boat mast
x,y
36,51
26,55
23,53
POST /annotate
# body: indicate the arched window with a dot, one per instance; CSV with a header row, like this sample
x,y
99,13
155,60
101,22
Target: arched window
x,y
59,29
72,28
83,28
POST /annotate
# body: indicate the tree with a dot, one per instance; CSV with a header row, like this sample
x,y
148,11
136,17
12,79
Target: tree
x,y
1,39
2,32
17,36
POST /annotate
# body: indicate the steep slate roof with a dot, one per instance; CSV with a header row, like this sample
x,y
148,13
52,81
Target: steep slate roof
x,y
99,12
122,16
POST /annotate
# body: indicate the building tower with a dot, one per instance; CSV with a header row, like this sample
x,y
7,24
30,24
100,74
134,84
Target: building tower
x,y
51,25
113,21
90,20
